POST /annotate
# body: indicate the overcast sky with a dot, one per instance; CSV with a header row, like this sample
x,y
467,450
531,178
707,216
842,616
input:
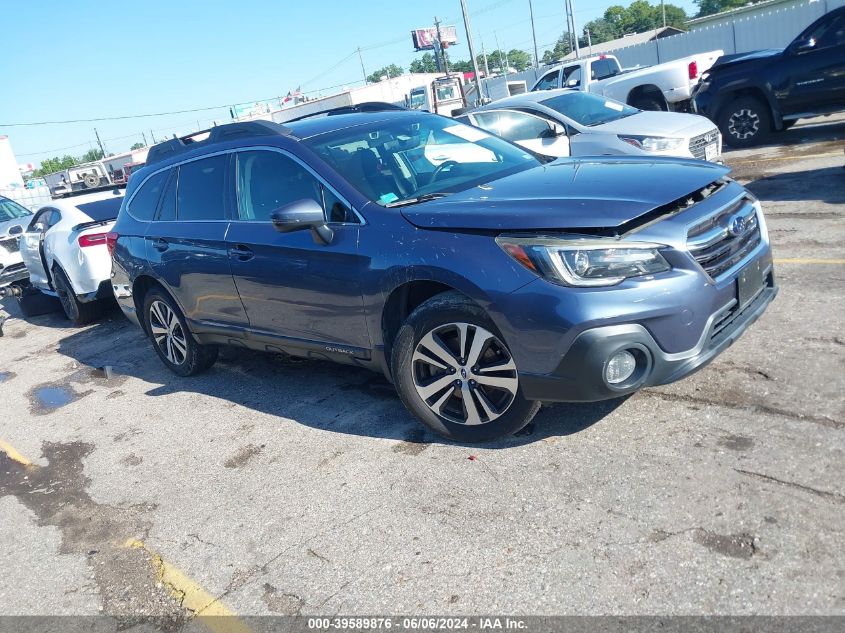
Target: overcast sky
x,y
83,59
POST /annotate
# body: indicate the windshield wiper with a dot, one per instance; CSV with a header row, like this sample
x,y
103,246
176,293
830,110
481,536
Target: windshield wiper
x,y
421,198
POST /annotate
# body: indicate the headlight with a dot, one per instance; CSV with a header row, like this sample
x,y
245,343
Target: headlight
x,y
585,262
653,143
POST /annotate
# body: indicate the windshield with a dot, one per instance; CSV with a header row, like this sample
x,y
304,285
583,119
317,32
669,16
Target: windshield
x,y
588,109
11,210
409,157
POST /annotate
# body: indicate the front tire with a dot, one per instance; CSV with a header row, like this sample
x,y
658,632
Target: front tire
x,y
745,122
172,340
78,312
454,372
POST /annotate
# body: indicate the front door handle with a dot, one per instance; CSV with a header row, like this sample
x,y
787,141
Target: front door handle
x,y
243,253
160,245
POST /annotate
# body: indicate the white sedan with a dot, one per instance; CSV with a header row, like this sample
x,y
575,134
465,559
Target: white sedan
x,y
65,250
566,122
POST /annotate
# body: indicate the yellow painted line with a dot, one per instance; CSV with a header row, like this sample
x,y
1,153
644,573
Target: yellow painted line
x,y
13,454
206,608
799,260
776,158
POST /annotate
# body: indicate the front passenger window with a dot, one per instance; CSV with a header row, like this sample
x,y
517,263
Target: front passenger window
x,y
270,180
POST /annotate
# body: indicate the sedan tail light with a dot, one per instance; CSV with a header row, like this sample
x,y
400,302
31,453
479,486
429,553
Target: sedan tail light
x,y
111,241
693,69
92,239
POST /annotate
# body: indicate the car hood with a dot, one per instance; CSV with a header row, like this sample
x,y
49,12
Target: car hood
x,y
743,58
568,194
657,124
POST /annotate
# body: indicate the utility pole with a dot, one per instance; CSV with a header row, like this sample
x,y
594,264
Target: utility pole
x,y
144,136
100,143
574,28
153,136
471,50
486,65
589,41
663,9
439,46
361,59
534,35
499,48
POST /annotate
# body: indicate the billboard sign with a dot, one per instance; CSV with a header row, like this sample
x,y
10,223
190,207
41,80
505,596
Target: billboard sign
x,y
424,38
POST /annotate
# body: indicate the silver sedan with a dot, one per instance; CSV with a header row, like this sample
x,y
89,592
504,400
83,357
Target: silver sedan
x,y
567,122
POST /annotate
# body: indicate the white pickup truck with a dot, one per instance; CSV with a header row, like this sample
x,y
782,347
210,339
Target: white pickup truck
x,y
665,86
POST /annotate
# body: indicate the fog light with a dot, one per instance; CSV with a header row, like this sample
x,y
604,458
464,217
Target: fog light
x,y
620,367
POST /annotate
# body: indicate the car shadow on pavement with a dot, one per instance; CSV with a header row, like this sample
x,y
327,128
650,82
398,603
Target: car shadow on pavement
x,y
825,185
318,394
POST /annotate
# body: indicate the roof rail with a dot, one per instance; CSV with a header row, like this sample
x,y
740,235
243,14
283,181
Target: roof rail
x,y
217,134
368,106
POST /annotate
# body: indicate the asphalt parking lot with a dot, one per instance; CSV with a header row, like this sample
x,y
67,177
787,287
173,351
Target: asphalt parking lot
x,y
272,486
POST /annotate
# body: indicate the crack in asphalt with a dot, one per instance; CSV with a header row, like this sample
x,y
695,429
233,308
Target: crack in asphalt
x,y
757,408
825,494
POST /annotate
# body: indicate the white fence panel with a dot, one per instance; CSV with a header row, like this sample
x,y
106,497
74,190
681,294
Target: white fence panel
x,y
32,199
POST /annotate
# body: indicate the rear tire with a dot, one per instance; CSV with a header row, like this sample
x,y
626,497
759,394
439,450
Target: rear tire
x,y
173,342
455,374
745,122
78,312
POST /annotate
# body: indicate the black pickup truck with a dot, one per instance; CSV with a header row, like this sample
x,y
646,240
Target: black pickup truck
x,y
750,95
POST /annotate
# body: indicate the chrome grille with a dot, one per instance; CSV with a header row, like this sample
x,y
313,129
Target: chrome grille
x,y
698,143
10,244
725,238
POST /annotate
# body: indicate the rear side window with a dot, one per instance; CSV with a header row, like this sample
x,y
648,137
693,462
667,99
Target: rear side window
x,y
145,200
201,192
101,209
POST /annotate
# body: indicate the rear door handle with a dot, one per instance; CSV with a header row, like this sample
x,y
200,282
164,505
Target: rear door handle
x,y
243,253
160,245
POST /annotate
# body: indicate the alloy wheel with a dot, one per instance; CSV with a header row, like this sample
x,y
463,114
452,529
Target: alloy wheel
x,y
168,333
464,373
744,123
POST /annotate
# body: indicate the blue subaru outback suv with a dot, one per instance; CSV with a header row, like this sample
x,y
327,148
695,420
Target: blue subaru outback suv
x,y
479,279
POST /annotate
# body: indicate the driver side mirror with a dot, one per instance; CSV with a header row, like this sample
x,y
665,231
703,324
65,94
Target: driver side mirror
x,y
302,215
15,230
802,46
572,83
39,227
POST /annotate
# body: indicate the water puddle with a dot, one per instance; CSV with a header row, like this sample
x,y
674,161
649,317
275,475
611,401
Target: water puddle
x,y
47,399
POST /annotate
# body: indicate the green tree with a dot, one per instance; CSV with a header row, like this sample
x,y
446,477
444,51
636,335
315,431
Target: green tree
x,y
390,71
561,49
135,146
91,155
518,59
424,64
709,7
52,165
637,17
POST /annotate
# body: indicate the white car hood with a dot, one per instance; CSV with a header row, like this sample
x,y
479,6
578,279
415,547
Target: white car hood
x,y
658,124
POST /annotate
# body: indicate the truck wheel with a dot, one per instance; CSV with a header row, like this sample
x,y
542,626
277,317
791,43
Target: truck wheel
x,y
745,122
78,312
456,375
